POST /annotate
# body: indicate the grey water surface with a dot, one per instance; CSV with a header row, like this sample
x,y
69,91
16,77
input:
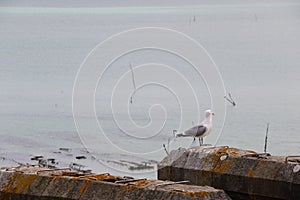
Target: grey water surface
x,y
255,45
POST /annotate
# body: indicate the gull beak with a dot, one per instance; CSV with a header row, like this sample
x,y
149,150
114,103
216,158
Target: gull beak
x,y
213,113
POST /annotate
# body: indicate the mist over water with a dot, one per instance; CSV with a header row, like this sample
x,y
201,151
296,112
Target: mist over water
x,y
255,45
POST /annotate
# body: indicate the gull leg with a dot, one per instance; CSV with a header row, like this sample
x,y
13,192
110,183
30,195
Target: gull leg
x,y
192,142
200,142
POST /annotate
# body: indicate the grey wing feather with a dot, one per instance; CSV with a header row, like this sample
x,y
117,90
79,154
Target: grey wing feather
x,y
195,131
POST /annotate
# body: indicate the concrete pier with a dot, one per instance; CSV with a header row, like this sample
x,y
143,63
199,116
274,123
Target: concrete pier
x,y
31,182
241,174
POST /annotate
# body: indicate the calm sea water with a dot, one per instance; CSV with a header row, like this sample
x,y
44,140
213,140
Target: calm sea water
x,y
255,45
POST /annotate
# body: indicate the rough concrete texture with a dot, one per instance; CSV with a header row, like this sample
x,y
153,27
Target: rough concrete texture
x,y
30,182
242,174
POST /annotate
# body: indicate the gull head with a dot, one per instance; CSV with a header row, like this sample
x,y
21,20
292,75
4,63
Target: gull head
x,y
209,113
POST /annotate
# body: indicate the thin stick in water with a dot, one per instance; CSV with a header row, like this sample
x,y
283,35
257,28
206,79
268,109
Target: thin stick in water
x,y
133,81
166,149
233,102
266,138
230,99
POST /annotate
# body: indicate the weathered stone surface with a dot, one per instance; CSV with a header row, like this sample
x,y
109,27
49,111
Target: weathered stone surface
x,y
38,183
104,190
66,187
242,174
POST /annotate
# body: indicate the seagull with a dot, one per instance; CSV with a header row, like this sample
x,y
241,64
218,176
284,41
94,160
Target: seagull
x,y
201,130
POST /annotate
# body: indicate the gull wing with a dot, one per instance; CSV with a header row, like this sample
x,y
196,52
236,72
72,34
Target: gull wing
x,y
195,131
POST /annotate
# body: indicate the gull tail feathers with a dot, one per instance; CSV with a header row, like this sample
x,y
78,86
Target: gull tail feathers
x,y
182,135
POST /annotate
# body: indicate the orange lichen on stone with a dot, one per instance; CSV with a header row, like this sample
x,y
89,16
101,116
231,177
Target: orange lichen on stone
x,y
223,166
137,185
19,183
55,179
83,187
123,189
219,150
102,177
69,173
250,172
218,165
234,152
201,194
74,179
